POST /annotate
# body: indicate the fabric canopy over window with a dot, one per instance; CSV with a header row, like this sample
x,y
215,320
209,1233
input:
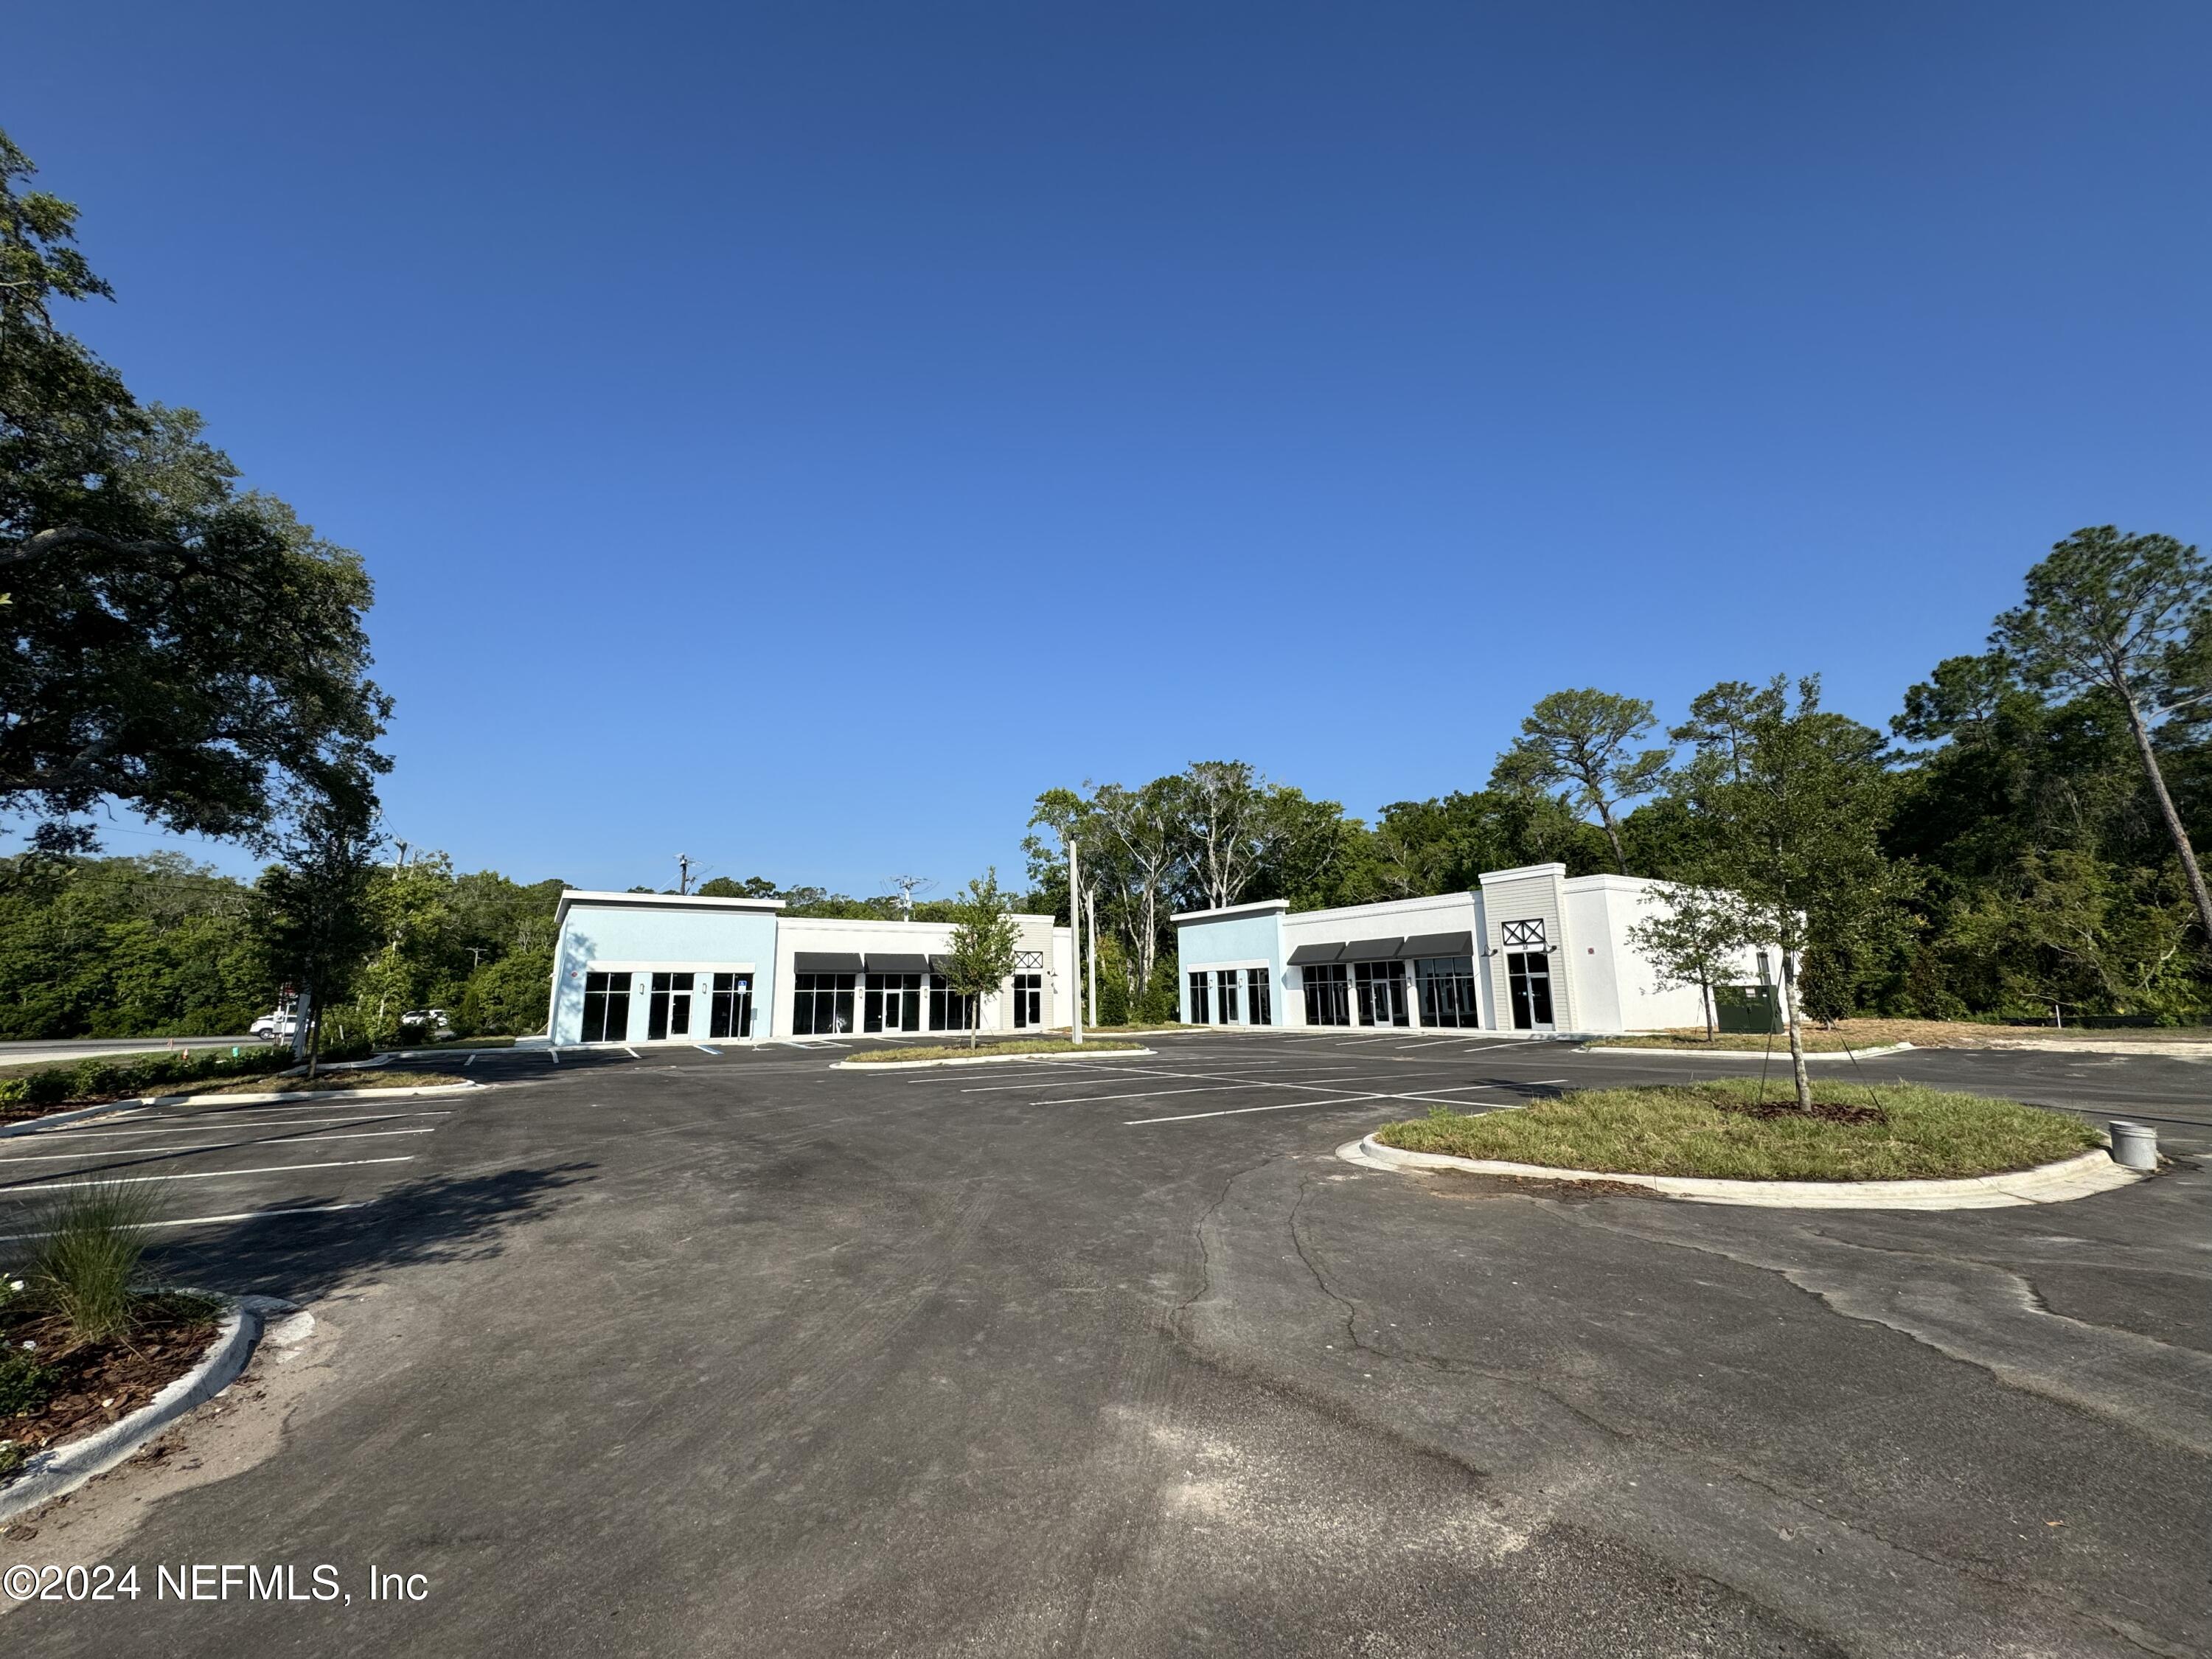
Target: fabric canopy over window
x,y
825,961
898,961
1370,949
1438,944
1306,953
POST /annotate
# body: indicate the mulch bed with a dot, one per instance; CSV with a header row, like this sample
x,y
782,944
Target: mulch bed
x,y
101,1383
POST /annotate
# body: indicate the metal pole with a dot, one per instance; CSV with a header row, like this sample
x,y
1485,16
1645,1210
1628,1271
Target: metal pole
x,y
1074,942
1091,961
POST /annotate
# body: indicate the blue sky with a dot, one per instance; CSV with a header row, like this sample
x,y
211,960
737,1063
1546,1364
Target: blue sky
x,y
796,435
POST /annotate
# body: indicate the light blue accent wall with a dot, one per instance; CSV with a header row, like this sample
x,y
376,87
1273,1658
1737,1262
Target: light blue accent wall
x,y
595,934
1233,939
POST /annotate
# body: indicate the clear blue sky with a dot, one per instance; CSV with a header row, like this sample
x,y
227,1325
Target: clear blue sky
x,y
798,434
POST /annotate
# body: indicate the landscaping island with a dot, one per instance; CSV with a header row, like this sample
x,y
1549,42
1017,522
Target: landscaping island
x,y
82,1346
1732,1130
990,1051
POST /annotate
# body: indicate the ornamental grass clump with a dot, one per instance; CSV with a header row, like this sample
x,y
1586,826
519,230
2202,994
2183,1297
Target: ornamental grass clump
x,y
93,1240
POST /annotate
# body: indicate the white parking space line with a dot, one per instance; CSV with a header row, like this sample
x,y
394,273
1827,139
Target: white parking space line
x,y
1239,1111
210,1146
11,1191
209,1220
1142,1094
704,1049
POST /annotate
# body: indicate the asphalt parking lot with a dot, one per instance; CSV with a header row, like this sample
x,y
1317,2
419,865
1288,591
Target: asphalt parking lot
x,y
738,1352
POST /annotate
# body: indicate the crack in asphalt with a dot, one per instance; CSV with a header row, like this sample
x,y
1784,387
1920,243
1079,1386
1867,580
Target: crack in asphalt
x,y
2179,1427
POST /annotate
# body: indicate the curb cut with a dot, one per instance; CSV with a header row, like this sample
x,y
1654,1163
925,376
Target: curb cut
x,y
984,1060
64,1468
1753,1053
32,1125
2078,1176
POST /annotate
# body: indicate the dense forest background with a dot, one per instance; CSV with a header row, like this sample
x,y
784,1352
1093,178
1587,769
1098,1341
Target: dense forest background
x,y
2028,866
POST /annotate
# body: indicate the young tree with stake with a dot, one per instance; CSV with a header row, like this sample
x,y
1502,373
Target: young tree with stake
x,y
981,955
1787,805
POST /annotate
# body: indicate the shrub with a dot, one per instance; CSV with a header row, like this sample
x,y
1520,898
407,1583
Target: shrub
x,y
25,1384
93,1239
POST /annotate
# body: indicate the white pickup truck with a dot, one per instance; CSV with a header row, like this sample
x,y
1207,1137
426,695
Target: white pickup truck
x,y
279,1026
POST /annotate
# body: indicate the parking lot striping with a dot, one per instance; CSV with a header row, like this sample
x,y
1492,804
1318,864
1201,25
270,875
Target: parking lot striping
x,y
187,1126
704,1049
13,1187
1146,1094
211,1146
1239,1111
210,1220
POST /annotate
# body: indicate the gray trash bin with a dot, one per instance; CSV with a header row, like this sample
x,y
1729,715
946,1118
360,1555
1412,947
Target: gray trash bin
x,y
2135,1146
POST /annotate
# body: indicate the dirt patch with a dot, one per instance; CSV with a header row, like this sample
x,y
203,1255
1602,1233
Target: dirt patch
x,y
91,1385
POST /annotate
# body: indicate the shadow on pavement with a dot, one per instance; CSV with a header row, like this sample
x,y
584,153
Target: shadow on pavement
x,y
435,1221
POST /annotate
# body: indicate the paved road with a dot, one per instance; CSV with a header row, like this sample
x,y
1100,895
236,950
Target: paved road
x,y
736,1354
60,1051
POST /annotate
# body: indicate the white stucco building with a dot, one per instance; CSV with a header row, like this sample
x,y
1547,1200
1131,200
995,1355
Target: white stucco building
x,y
1530,949
634,968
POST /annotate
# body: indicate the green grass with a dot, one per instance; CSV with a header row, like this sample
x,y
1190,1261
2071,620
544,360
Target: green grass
x,y
1708,1129
328,1080
984,1050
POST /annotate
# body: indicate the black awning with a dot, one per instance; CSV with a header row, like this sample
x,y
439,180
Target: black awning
x,y
1371,950
1438,944
1306,953
898,961
825,961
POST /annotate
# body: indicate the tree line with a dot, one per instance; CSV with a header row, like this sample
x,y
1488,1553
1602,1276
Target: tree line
x,y
2019,843
2019,840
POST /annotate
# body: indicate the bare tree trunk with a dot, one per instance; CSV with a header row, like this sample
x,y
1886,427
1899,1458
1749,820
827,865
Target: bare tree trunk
x,y
1612,834
1797,1072
1705,989
2174,829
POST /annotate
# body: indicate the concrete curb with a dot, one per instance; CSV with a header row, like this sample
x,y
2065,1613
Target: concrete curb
x,y
985,1059
1782,1054
2051,1184
32,1125
64,1468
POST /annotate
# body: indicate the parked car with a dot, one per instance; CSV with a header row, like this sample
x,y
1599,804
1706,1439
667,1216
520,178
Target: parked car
x,y
432,1020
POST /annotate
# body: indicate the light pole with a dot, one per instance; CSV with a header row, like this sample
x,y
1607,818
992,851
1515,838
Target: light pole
x,y
1074,942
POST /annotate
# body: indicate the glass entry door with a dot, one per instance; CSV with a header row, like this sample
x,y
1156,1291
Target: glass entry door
x,y
894,1003
669,1012
1029,1000
1529,977
1382,992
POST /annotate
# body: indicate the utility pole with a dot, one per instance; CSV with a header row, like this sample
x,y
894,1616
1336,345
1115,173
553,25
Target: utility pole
x,y
907,886
476,957
1075,942
682,873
